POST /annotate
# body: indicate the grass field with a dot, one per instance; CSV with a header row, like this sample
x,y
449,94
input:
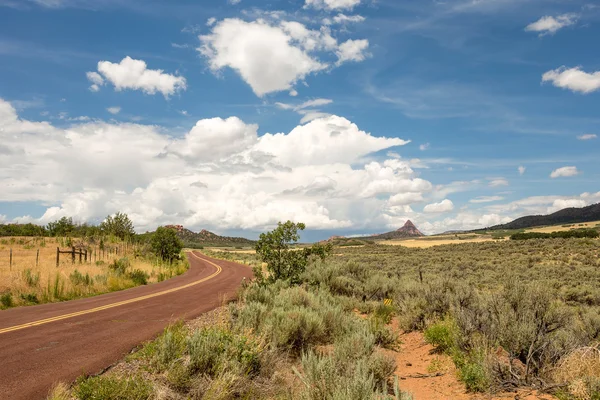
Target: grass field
x,y
31,279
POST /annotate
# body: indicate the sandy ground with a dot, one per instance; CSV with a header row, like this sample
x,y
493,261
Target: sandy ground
x,y
430,376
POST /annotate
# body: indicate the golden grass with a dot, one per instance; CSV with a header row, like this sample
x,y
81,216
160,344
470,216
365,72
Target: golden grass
x,y
429,242
565,227
580,368
42,282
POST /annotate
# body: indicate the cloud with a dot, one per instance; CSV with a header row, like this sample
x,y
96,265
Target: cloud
x,y
114,110
343,19
550,25
573,79
588,136
424,146
560,204
211,21
262,54
522,170
219,175
486,199
134,74
352,50
441,207
331,4
564,172
306,109
273,55
495,182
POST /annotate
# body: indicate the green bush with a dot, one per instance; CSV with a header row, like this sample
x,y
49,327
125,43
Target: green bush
x,y
112,388
6,300
31,279
77,278
139,277
119,267
442,335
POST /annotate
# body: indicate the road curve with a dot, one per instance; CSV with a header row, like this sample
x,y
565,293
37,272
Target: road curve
x,y
45,344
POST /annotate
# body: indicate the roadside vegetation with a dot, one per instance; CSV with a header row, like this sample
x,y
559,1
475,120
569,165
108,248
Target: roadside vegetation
x,y
115,260
510,314
285,337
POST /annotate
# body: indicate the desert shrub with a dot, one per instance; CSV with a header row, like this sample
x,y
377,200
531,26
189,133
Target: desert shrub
x,y
31,279
138,277
30,298
323,380
6,300
119,266
77,278
382,367
112,388
442,335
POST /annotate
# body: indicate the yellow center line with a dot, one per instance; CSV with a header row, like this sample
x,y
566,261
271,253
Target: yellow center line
x,y
120,303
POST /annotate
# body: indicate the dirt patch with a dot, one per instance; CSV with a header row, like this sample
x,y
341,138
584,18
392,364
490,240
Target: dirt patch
x,y
430,376
425,243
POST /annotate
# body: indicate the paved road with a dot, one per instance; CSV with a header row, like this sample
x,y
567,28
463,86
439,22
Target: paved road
x,y
44,344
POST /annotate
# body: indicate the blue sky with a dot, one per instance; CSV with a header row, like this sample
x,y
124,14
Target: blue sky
x,y
349,115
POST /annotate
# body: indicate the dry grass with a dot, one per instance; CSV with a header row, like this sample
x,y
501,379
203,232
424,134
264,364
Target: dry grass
x,y
581,369
566,227
430,242
29,282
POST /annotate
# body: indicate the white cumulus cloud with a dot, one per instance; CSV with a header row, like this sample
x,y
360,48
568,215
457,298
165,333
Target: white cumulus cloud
x,y
522,170
573,79
564,172
274,55
441,207
332,4
135,75
114,110
549,25
352,50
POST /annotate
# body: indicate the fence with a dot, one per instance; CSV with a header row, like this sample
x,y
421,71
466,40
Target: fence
x,y
25,255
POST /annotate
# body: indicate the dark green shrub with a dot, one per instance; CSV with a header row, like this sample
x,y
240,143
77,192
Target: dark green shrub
x,y
139,277
30,298
6,300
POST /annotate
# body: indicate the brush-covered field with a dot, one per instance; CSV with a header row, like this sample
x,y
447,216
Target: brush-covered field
x,y
33,277
509,314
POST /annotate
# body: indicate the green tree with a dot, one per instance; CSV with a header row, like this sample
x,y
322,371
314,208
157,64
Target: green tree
x,y
283,261
120,226
62,227
165,244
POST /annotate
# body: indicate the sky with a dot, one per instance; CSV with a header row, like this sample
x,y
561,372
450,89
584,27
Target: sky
x,y
351,116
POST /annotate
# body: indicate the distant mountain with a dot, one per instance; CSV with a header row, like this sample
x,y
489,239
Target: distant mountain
x,y
565,216
207,238
409,230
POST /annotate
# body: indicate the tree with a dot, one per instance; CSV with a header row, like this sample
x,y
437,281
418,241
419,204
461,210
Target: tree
x,y
62,227
120,226
165,244
284,262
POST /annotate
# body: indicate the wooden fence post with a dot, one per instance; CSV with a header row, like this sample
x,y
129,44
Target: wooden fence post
x,y
10,262
57,256
80,255
85,256
73,255
37,258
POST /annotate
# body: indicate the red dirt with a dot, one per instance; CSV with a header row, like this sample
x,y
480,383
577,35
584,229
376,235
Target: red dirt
x,y
35,358
416,357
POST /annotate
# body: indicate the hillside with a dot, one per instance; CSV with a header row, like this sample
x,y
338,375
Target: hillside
x,y
206,238
565,216
409,230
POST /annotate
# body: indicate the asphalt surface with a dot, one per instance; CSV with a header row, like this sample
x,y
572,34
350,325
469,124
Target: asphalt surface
x,y
42,345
